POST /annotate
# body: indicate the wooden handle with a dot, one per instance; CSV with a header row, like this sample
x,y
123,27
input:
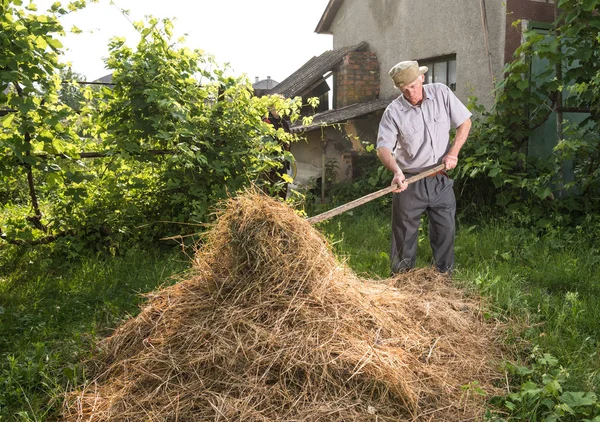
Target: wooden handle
x,y
367,198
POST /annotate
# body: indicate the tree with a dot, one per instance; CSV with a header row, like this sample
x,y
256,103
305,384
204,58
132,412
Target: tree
x,y
173,135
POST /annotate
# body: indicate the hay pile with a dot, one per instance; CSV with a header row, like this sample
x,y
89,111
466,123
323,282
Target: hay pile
x,y
271,327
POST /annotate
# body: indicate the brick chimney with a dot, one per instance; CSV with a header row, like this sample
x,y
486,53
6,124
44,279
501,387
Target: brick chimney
x,y
357,79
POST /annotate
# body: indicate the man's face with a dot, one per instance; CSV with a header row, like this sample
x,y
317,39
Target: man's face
x,y
413,92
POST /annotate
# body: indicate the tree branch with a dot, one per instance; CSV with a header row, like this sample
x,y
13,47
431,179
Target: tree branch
x,y
41,241
36,219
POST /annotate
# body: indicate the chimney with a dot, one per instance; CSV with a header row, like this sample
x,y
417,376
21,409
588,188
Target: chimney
x,y
357,79
256,79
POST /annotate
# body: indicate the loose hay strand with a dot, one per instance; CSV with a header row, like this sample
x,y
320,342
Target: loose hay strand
x,y
271,326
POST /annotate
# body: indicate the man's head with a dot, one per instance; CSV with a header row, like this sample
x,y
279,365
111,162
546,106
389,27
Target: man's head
x,y
408,78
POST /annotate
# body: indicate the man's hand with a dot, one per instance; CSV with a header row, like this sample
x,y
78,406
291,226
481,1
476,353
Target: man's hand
x,y
400,181
450,161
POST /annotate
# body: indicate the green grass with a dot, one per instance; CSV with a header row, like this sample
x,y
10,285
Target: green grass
x,y
361,238
52,312
551,281
548,283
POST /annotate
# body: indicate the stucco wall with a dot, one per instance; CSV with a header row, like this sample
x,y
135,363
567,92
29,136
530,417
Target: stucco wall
x,y
343,141
421,29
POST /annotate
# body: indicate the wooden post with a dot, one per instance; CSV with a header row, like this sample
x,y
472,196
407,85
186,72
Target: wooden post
x,y
323,173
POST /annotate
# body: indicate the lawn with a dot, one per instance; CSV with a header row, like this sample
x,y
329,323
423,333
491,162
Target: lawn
x,y
545,284
548,282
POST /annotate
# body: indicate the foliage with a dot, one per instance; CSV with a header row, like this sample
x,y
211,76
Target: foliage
x,y
172,136
70,92
542,396
496,168
372,177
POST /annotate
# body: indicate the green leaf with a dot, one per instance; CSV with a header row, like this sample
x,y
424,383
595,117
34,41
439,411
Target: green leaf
x,y
523,370
53,179
589,5
56,44
523,84
543,192
579,398
58,145
565,408
75,177
553,387
40,42
494,171
530,388
548,403
548,359
7,120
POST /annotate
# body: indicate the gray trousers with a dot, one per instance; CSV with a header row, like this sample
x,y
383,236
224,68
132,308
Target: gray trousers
x,y
435,196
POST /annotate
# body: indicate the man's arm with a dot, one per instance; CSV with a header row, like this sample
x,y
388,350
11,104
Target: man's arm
x,y
389,162
462,132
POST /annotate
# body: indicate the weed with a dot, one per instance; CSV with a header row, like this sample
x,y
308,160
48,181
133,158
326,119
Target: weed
x,y
542,396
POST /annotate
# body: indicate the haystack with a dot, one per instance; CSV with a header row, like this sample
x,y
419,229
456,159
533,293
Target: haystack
x,y
272,327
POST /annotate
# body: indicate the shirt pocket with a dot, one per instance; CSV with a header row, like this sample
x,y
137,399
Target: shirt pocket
x,y
409,140
441,123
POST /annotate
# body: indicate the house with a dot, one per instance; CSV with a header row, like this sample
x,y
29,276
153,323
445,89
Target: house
x,y
261,86
465,44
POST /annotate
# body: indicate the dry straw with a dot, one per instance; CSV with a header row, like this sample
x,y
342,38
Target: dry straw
x,y
272,327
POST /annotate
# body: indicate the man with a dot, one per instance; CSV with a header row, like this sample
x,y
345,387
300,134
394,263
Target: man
x,y
414,136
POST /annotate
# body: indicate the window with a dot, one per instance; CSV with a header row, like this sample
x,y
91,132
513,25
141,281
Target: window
x,y
441,70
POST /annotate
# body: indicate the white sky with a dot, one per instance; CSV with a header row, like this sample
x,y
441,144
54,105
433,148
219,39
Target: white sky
x,y
256,37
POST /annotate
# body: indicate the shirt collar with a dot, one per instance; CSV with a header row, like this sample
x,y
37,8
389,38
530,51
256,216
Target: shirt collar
x,y
428,94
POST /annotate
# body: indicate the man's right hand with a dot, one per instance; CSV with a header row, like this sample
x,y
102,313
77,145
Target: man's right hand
x,y
400,181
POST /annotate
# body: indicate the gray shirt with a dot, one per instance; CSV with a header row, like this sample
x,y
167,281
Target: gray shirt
x,y
419,136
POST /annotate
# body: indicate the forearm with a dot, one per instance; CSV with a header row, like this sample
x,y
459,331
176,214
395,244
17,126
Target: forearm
x,y
388,160
462,132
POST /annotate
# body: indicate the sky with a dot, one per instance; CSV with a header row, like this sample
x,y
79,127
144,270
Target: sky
x,y
258,38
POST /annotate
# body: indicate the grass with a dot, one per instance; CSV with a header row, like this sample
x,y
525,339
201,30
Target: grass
x,y
547,282
52,311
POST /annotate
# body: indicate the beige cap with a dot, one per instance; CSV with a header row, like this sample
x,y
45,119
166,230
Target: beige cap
x,y
405,73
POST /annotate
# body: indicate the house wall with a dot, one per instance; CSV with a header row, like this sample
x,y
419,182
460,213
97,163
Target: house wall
x,y
399,30
343,142
535,10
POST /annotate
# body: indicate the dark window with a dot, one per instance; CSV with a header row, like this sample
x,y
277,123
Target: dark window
x,y
441,70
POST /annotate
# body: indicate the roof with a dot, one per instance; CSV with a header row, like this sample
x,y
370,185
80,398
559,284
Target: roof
x,y
265,84
106,79
324,25
342,114
311,73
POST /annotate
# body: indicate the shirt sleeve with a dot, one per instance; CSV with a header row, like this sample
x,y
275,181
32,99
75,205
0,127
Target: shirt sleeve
x,y
388,131
457,110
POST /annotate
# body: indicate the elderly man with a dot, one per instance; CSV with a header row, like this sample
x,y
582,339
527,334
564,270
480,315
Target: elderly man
x,y
414,136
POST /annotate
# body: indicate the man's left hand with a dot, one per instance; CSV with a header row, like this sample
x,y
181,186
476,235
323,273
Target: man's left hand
x,y
450,161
